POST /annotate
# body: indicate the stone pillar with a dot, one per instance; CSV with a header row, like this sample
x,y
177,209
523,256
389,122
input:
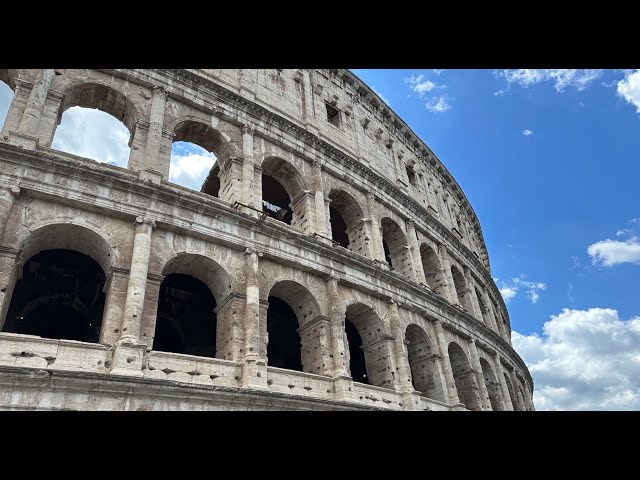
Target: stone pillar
x,y
506,397
8,196
416,260
446,363
115,289
8,276
33,111
485,402
16,108
450,286
336,314
254,369
154,135
248,171
257,186
377,250
402,359
529,392
472,297
137,281
322,227
516,390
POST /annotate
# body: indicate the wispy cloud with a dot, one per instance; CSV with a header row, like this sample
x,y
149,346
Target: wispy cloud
x,y
426,90
527,132
438,104
420,85
510,289
608,252
438,71
561,78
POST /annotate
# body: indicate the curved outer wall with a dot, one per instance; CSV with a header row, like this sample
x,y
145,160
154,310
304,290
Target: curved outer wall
x,y
435,331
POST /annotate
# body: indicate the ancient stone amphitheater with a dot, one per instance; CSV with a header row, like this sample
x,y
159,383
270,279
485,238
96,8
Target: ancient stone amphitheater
x,y
329,261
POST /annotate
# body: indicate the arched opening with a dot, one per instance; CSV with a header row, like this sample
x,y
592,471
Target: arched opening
x,y
460,285
493,387
464,377
512,394
284,349
297,333
347,226
395,248
484,314
523,398
186,322
195,152
422,361
59,295
283,196
187,319
6,96
433,272
370,348
97,122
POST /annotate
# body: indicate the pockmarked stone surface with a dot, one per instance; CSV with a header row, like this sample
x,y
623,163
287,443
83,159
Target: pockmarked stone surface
x,y
329,261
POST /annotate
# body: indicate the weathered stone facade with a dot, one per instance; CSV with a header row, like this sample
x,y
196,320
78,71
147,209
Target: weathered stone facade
x,y
410,274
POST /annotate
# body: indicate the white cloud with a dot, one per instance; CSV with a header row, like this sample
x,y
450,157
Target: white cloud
x,y
438,71
629,89
612,252
93,134
190,165
561,78
527,132
584,360
499,93
421,85
510,289
438,104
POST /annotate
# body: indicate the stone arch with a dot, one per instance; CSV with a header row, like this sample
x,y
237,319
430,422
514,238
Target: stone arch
x,y
368,346
493,386
395,246
464,377
297,334
522,390
187,313
423,363
484,313
433,271
460,285
347,222
512,394
283,192
57,285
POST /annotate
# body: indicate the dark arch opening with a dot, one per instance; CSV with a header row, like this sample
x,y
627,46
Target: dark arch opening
x,y
460,285
387,253
284,349
338,227
512,394
357,363
464,377
493,387
186,322
276,202
432,270
422,362
59,296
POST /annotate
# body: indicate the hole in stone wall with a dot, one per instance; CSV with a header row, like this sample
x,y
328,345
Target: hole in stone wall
x,y
338,227
284,349
333,115
59,296
411,175
357,364
276,202
387,253
185,321
464,377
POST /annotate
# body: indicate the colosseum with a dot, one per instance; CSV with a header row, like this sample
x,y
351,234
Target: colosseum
x,y
328,262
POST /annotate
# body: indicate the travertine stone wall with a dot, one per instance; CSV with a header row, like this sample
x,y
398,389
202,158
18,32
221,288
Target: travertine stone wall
x,y
139,227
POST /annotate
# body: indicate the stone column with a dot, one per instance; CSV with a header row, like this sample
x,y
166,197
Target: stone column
x,y
377,252
485,402
137,280
402,361
257,186
33,111
321,211
254,369
516,390
416,260
248,170
8,196
450,286
336,313
115,290
128,357
471,292
154,135
8,277
506,397
446,363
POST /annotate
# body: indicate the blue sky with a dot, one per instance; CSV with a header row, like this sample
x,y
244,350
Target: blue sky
x,y
549,161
